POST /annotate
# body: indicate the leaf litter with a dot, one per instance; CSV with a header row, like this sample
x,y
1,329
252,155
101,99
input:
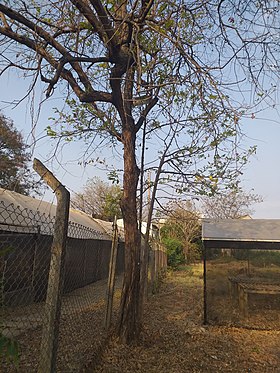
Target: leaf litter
x,y
174,339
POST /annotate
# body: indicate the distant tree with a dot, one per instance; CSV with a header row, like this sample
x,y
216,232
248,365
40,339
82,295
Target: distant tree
x,y
182,225
232,205
14,170
99,199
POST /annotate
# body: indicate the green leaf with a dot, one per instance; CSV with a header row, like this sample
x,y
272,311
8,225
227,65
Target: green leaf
x,y
213,97
51,132
9,348
6,250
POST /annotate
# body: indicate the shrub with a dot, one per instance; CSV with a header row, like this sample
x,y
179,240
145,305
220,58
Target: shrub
x,y
265,258
175,253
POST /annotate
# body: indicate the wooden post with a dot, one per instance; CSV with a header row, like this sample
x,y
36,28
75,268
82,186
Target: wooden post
x,y
243,301
50,331
111,277
152,269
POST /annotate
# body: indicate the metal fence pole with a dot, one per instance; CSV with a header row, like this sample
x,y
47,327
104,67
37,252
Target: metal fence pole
x,y
50,330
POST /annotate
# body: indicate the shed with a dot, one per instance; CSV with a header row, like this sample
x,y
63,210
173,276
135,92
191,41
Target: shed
x,y
242,272
236,233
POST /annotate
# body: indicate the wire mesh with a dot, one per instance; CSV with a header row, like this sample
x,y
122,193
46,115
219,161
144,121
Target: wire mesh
x,y
26,277
243,288
25,245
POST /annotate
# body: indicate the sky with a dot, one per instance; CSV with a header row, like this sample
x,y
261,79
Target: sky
x,y
262,174
65,165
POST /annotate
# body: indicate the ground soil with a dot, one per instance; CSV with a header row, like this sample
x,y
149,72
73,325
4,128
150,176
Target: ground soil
x,y
175,340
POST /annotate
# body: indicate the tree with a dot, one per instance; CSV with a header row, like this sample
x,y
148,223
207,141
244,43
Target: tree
x,y
182,225
234,204
99,199
127,62
14,170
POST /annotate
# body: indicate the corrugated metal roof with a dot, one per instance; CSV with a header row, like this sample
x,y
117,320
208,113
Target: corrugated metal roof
x,y
23,211
254,230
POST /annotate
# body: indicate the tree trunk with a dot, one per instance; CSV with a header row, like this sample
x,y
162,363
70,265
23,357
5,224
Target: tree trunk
x,y
129,321
145,254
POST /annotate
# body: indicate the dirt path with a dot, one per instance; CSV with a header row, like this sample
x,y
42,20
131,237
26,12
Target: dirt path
x,y
20,319
174,340
81,329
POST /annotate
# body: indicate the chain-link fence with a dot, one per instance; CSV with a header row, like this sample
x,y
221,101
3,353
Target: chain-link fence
x,y
25,246
243,287
53,281
26,239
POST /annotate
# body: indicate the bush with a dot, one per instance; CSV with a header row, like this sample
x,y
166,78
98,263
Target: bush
x,y
194,253
175,253
259,258
265,258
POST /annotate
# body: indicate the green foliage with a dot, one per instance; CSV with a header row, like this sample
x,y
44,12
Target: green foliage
x,y
14,170
113,177
99,199
171,229
182,224
259,258
175,253
187,269
112,205
183,55
189,93
160,45
194,251
265,258
9,349
5,250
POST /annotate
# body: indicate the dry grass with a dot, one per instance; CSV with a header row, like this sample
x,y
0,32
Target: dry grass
x,y
223,309
175,341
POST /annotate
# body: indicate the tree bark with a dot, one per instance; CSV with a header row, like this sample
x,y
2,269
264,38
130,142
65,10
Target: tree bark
x,y
129,322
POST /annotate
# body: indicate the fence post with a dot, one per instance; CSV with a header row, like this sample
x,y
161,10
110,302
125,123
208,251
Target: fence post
x,y
49,342
111,278
152,269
